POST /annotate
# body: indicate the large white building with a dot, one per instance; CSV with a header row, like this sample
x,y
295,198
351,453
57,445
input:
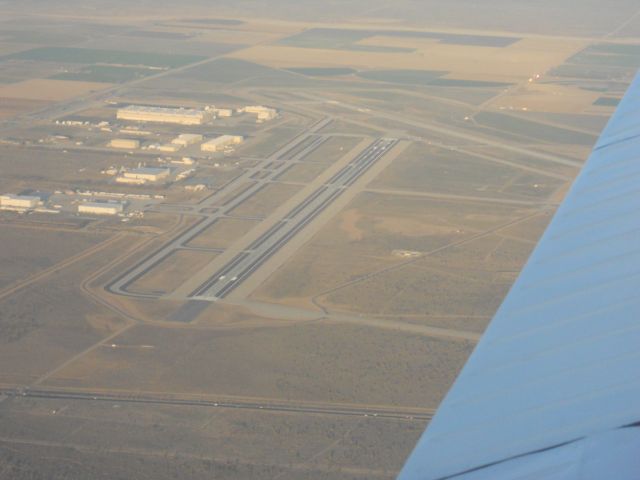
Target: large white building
x,y
220,143
224,112
142,175
101,208
181,116
186,139
11,201
126,143
263,113
169,147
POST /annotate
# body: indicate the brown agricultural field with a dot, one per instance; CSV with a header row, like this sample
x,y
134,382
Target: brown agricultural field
x,y
49,90
10,107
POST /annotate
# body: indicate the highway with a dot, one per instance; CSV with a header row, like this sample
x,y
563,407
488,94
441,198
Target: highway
x,y
227,402
225,280
277,163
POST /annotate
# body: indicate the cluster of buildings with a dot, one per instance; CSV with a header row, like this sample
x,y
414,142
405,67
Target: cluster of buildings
x,y
190,116
218,144
185,116
186,139
181,141
33,203
162,174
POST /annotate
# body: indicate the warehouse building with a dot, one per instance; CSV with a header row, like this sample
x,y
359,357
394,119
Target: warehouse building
x,y
263,113
181,116
220,143
101,208
142,175
169,147
224,112
10,201
125,143
186,139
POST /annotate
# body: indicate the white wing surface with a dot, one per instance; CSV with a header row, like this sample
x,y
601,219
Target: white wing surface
x,y
553,389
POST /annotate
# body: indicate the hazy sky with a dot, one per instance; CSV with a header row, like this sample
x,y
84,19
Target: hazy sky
x,y
560,17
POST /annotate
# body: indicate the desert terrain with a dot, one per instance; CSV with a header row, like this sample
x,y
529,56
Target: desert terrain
x,y
296,303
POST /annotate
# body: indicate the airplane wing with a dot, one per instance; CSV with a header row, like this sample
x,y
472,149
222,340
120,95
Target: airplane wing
x,y
552,391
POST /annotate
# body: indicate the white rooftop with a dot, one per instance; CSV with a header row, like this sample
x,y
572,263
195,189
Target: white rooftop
x,y
14,196
165,110
150,170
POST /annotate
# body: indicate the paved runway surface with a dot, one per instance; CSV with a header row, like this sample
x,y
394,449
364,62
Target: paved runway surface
x,y
296,150
244,404
245,263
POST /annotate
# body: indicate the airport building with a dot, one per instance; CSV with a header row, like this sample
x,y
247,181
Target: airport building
x,y
169,147
224,112
186,139
101,208
263,113
137,133
125,143
142,175
220,143
10,201
181,116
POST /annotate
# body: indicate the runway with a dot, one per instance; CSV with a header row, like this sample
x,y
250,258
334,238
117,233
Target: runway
x,y
229,277
229,403
218,207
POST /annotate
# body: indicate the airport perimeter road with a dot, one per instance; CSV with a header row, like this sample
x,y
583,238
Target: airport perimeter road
x,y
220,206
225,280
351,410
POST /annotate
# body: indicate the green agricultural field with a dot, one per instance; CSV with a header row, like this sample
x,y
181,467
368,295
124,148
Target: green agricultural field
x,y
324,72
607,59
106,74
425,77
407,77
40,37
114,57
607,102
345,39
326,38
230,70
617,48
608,55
